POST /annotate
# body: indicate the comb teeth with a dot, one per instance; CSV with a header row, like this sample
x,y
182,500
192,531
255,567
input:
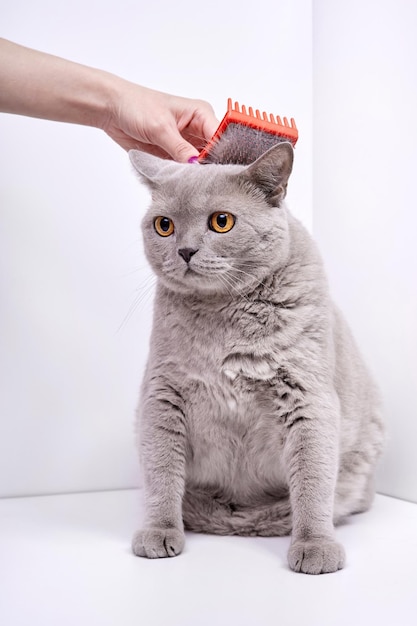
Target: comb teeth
x,y
271,126
241,110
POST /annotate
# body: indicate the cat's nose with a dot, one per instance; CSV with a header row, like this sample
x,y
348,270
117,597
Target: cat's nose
x,y
186,253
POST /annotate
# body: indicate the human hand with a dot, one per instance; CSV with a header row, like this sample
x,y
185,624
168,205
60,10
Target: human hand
x,y
159,123
42,85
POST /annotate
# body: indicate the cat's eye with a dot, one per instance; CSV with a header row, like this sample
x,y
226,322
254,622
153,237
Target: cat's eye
x,y
221,222
164,226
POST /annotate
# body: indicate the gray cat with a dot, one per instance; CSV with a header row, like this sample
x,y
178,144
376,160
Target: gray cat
x,y
257,415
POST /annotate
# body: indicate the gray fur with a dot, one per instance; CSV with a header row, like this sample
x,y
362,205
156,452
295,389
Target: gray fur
x,y
241,144
257,414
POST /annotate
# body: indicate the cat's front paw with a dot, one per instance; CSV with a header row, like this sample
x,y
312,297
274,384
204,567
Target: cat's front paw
x,y
316,556
156,543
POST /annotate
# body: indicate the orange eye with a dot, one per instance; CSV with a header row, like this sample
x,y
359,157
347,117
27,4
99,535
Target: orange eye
x,y
164,226
221,222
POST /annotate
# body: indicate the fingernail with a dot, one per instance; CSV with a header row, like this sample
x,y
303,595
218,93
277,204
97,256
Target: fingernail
x,y
193,159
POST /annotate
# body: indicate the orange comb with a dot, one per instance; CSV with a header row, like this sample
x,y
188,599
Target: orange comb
x,y
243,136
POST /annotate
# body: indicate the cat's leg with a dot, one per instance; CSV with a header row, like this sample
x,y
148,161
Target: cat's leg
x,y
204,512
162,449
355,489
311,453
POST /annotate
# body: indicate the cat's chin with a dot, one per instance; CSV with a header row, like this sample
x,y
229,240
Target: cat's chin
x,y
196,284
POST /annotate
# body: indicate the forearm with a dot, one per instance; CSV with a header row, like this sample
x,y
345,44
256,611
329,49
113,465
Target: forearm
x,y
41,85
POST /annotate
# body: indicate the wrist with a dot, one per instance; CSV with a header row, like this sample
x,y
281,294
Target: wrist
x,y
101,104
91,97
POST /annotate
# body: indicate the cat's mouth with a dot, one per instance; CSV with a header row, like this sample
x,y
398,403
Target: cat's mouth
x,y
194,277
199,279
202,275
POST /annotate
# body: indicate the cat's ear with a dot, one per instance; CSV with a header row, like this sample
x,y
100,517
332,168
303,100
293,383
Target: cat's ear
x,y
147,166
271,172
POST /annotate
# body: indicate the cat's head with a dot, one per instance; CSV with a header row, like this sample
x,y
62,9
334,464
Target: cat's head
x,y
215,229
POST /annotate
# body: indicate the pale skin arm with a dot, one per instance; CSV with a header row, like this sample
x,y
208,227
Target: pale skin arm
x,y
41,85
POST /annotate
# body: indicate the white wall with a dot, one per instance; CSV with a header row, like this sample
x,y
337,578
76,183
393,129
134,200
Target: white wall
x,y
71,264
365,165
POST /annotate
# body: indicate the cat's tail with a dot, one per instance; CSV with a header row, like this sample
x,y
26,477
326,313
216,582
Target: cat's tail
x,y
206,514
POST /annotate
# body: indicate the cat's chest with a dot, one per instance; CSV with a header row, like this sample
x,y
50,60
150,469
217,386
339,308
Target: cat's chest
x,y
233,340
227,373
234,435
223,366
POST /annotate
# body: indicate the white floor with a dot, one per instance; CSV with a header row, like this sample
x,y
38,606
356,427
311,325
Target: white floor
x,y
66,560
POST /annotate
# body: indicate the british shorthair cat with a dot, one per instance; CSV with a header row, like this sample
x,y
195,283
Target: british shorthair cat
x,y
257,414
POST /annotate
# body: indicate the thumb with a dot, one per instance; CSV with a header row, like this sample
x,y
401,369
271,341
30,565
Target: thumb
x,y
175,145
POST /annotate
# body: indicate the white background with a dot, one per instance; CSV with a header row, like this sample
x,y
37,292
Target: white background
x,y
71,264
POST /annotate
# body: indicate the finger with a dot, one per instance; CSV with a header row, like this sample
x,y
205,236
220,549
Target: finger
x,y
210,126
130,143
200,129
204,120
176,146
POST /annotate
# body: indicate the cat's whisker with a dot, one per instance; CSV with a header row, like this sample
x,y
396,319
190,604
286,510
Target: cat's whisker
x,y
145,291
248,263
226,286
236,269
232,288
139,299
199,137
134,270
226,279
